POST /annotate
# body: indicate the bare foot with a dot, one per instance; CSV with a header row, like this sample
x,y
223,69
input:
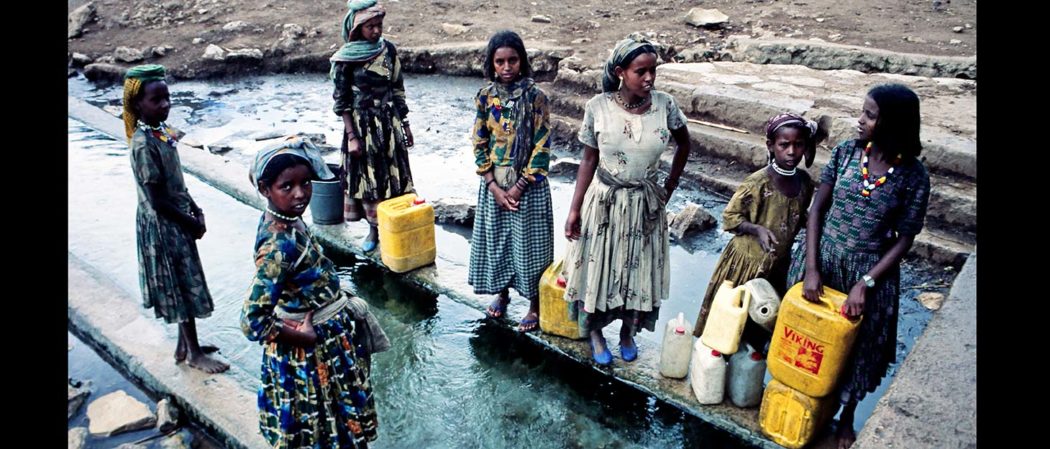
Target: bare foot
x,y
206,364
846,437
180,351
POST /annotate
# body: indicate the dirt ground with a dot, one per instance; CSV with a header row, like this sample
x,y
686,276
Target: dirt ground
x,y
590,27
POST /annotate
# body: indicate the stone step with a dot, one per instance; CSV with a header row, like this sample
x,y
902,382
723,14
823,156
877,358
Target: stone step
x,y
745,96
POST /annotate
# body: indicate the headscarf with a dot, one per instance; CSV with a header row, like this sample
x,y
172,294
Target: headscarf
x,y
134,79
626,49
359,50
815,133
294,145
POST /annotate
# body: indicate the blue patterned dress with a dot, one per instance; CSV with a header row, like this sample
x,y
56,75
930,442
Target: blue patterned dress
x,y
318,397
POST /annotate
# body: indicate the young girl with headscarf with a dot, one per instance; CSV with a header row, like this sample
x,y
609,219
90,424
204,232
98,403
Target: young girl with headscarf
x,y
617,265
370,97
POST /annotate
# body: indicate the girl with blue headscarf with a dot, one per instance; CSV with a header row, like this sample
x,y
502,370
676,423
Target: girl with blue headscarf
x,y
315,378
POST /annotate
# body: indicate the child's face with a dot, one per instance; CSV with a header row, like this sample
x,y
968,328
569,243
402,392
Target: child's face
x,y
788,147
155,103
640,74
290,193
869,117
507,64
372,29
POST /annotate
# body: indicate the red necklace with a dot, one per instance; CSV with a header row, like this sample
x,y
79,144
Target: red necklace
x,y
869,186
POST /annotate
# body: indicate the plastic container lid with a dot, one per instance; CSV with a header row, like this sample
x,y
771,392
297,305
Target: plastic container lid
x,y
419,200
679,330
715,353
756,356
561,281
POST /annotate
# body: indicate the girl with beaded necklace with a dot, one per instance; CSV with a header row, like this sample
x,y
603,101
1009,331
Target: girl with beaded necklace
x,y
765,213
870,205
167,220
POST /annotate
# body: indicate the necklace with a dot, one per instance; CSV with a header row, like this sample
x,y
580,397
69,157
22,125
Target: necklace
x,y
282,217
637,105
865,174
161,131
781,171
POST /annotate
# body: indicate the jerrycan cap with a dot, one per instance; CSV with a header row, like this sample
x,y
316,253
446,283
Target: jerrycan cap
x,y
756,356
561,281
680,330
715,353
419,200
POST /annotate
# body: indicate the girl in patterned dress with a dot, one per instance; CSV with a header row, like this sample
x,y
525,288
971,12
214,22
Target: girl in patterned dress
x,y
617,266
316,388
167,221
513,238
370,98
870,205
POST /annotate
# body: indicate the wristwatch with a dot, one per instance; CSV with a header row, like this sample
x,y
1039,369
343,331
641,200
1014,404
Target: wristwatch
x,y
868,281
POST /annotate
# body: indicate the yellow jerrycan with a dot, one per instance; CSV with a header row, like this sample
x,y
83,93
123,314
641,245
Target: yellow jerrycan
x,y
406,233
811,342
790,418
725,321
554,310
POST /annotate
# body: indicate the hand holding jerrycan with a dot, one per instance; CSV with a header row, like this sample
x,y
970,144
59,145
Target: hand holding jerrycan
x,y
725,321
677,348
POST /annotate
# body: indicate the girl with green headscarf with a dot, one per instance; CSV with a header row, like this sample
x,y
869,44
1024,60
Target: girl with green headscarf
x,y
167,221
370,97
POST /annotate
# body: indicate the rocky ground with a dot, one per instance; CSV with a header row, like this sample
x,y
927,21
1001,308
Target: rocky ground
x,y
199,37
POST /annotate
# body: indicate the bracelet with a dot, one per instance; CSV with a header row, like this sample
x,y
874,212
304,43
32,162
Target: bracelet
x,y
490,182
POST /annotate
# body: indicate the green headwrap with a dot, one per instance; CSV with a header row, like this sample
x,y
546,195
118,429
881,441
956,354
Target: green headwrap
x,y
147,72
359,50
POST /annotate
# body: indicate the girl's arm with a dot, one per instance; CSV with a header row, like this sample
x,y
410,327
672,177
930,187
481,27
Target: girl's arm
x,y
854,305
739,212
166,208
150,174
584,176
681,155
400,103
273,269
343,94
676,122
481,135
812,287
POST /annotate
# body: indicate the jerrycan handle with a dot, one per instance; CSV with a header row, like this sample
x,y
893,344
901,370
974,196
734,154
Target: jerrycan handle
x,y
741,297
837,309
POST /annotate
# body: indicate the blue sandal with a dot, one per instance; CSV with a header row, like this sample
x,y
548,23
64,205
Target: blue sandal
x,y
629,353
603,358
531,324
497,308
368,245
